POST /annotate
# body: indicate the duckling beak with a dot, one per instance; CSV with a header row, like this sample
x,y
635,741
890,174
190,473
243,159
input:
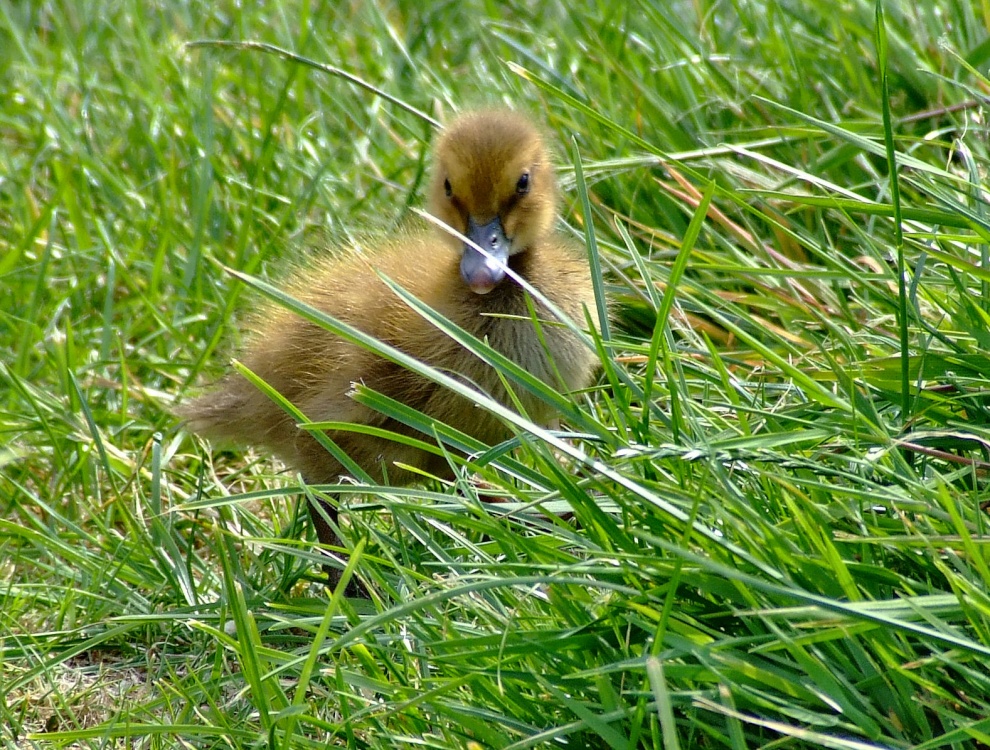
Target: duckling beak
x,y
481,273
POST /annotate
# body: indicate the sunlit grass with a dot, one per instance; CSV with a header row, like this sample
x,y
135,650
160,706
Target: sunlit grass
x,y
746,534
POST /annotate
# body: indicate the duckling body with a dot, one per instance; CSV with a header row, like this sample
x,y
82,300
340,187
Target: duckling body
x,y
493,182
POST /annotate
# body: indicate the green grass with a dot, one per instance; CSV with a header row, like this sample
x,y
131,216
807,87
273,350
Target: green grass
x,y
778,486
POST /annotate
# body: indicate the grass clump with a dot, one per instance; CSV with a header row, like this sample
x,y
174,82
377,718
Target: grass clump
x,y
778,487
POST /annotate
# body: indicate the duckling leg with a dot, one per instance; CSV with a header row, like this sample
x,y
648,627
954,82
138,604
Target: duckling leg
x,y
319,512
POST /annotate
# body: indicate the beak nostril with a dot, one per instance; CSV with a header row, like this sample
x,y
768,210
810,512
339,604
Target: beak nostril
x,y
485,256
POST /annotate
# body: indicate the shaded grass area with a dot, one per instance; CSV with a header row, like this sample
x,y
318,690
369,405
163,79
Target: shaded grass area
x,y
773,541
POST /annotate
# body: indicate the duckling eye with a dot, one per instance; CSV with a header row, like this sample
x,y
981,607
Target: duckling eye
x,y
522,187
447,188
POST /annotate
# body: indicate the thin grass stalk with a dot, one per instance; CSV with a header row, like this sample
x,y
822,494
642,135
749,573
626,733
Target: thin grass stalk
x,y
895,198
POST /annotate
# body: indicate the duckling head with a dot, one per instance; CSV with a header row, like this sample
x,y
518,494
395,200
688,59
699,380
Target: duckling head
x,y
493,182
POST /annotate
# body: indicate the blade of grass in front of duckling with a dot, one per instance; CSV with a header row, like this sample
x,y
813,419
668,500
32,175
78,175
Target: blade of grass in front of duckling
x,y
895,198
390,353
479,454
592,244
241,497
405,414
495,359
378,432
384,434
289,408
562,402
368,342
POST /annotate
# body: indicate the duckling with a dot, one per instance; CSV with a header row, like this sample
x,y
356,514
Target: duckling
x,y
491,181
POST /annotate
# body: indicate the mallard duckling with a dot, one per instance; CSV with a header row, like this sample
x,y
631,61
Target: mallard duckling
x,y
492,181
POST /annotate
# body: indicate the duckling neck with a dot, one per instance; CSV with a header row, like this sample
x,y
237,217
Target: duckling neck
x,y
522,262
